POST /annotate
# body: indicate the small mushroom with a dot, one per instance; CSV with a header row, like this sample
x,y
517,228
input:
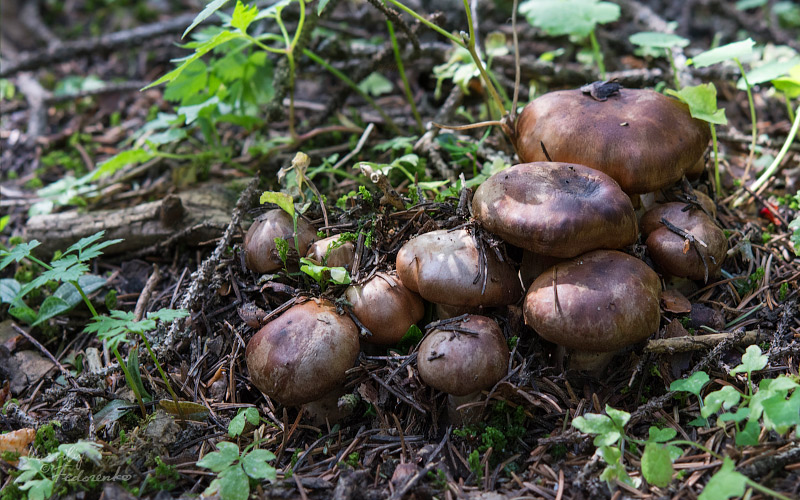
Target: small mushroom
x,y
599,302
260,253
555,209
385,307
462,358
689,245
332,252
642,139
446,267
303,354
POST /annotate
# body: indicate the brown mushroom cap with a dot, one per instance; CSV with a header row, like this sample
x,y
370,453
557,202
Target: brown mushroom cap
x,y
464,357
303,354
642,139
385,307
260,253
338,255
445,267
556,209
669,250
606,300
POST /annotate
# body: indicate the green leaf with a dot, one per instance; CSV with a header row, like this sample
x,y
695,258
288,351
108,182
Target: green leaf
x,y
168,315
38,489
568,17
694,384
243,16
67,296
725,398
255,465
619,417
189,409
748,436
233,484
200,50
657,465
767,72
190,83
375,84
752,361
321,6
113,411
702,102
795,237
119,160
209,9
726,483
593,423
16,254
738,416
283,200
82,449
657,435
23,313
750,4
780,414
52,306
252,416
192,112
4,222
236,425
111,328
338,275
220,460
9,289
135,374
724,53
658,40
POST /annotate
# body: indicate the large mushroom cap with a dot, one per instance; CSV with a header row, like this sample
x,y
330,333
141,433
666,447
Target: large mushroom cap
x,y
464,357
602,301
670,250
445,267
385,307
260,253
642,139
303,354
556,209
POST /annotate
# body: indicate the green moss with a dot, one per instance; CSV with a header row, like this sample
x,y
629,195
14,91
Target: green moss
x,y
45,441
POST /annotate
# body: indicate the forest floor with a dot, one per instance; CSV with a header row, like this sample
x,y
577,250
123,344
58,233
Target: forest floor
x,y
707,407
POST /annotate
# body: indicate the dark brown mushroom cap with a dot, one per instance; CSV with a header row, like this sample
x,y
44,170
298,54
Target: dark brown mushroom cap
x,y
670,251
464,357
385,307
338,255
260,252
606,301
642,139
556,209
303,354
445,267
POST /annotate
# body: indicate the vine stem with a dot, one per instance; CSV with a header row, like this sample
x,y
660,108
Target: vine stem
x,y
752,117
598,56
338,74
401,69
756,185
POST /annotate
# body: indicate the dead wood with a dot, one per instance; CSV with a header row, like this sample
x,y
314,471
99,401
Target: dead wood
x,y
207,209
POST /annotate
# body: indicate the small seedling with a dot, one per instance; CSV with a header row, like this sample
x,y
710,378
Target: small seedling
x,y
661,44
577,18
234,471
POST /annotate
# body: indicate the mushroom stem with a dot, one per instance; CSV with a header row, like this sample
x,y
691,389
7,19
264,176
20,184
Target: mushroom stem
x,y
469,413
593,363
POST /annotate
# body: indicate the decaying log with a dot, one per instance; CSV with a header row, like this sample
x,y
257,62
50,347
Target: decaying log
x,y
200,215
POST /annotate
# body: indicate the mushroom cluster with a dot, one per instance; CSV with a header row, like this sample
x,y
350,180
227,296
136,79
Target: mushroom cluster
x,y
571,215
